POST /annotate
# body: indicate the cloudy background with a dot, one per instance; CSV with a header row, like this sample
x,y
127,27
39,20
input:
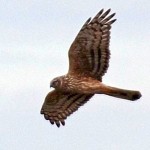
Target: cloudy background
x,y
35,36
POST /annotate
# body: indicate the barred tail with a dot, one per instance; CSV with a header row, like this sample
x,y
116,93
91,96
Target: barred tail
x,y
121,93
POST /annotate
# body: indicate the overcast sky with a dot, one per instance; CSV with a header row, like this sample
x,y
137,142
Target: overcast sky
x,y
35,36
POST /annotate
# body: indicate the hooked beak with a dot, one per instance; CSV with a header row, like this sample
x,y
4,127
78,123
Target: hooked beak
x,y
51,85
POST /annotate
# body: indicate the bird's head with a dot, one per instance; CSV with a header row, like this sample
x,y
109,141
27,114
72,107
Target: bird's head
x,y
56,82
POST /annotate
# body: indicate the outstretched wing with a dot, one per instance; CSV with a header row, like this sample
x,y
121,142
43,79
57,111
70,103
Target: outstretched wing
x,y
58,105
89,53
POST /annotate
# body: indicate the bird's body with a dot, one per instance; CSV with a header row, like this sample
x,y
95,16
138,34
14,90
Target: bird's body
x,y
77,84
88,61
88,85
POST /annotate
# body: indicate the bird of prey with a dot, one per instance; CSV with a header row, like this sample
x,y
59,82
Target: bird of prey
x,y
88,61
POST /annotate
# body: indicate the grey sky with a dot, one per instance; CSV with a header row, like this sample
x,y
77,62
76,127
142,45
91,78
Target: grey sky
x,y
34,42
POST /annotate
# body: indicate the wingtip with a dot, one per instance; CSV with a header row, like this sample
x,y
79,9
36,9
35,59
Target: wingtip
x,y
57,124
111,22
46,117
114,20
108,11
63,123
112,15
101,11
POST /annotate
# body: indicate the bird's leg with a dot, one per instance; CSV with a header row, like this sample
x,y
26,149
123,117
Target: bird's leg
x,y
119,93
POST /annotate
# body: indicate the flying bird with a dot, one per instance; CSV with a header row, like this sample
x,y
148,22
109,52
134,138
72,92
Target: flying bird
x,y
88,62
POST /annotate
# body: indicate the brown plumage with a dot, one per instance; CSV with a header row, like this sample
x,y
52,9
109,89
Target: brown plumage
x,y
88,61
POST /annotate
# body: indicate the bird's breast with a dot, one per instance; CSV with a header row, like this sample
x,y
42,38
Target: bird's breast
x,y
84,85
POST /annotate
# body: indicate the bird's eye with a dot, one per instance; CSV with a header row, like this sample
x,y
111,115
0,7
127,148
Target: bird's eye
x,y
55,83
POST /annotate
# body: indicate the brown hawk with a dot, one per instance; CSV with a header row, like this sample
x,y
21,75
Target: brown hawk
x,y
88,61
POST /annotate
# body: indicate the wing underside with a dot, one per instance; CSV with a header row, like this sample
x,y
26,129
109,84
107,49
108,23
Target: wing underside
x,y
58,105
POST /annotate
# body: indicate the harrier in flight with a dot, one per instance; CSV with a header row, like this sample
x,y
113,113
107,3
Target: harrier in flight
x,y
88,61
